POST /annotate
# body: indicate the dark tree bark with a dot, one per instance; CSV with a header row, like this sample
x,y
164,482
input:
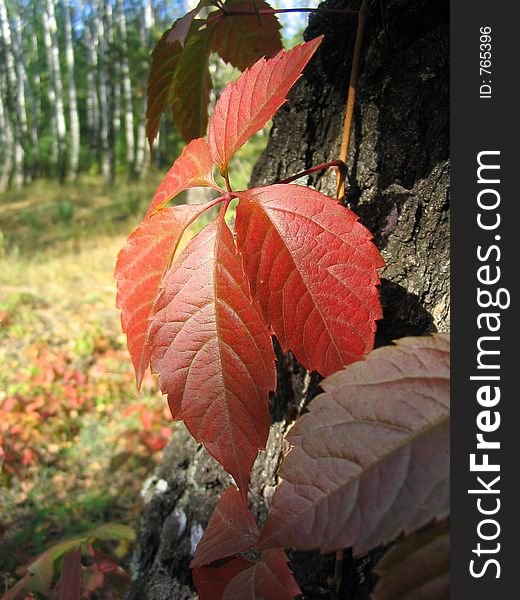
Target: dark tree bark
x,y
399,185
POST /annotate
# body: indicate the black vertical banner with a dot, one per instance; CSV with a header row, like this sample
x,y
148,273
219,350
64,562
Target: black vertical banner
x,y
485,116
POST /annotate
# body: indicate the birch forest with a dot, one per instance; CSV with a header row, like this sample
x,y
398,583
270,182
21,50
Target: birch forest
x,y
73,87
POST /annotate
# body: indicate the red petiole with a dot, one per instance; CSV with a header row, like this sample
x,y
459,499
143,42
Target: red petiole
x,y
333,163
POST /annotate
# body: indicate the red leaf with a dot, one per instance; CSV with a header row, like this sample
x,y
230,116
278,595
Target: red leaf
x,y
213,351
68,586
140,268
159,91
212,581
246,105
179,30
371,458
269,578
193,168
231,529
192,86
312,266
241,40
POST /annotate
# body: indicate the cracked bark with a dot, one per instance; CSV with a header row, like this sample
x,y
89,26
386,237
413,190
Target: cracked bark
x,y
399,185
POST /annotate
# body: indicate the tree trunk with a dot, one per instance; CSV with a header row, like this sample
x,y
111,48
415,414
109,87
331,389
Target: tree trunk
x,y
114,88
61,128
398,184
27,97
6,137
93,117
127,89
14,105
146,23
104,105
73,103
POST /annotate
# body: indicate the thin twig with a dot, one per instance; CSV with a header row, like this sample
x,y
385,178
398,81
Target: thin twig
x,y
349,112
228,183
333,163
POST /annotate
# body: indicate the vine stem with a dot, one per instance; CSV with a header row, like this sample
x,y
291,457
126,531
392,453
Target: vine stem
x,y
351,98
228,183
332,163
341,175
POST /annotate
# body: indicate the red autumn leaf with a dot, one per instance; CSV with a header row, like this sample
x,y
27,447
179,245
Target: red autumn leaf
x,y
417,568
231,529
165,56
192,86
212,581
68,586
213,351
140,267
246,105
193,168
180,29
243,39
371,458
268,578
313,268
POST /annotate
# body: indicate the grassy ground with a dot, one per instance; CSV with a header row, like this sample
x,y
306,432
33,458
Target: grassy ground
x,y
76,440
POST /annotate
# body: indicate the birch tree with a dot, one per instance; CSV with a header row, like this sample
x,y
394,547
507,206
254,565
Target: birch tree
x,y
73,104
99,20
146,23
127,88
58,86
51,90
6,137
12,105
28,106
91,39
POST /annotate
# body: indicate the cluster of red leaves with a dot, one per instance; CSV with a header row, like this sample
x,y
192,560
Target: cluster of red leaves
x,y
300,266
369,461
179,75
44,404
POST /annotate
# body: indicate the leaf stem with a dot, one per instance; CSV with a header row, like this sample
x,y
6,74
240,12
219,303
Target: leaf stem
x,y
351,98
228,183
332,163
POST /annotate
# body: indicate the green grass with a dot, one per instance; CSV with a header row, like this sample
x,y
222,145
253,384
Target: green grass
x,y
53,218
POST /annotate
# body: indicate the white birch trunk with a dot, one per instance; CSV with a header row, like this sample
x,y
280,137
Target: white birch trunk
x,y
7,139
51,91
73,104
13,101
29,106
127,89
104,107
146,24
113,86
93,112
61,128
